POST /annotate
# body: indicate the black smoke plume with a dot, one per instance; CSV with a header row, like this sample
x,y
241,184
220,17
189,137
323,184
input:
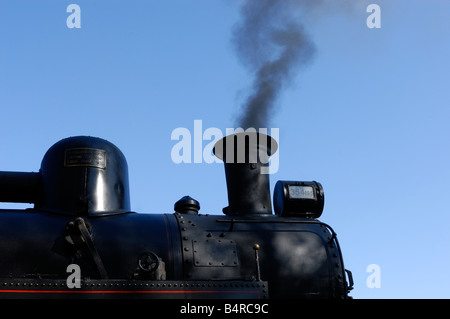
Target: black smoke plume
x,y
271,43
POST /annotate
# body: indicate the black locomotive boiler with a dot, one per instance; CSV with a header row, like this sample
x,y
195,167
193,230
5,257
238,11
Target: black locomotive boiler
x,y
82,240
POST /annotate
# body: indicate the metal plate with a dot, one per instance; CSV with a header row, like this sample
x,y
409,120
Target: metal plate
x,y
85,157
215,253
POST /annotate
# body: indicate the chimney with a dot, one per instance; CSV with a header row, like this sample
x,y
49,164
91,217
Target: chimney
x,y
246,159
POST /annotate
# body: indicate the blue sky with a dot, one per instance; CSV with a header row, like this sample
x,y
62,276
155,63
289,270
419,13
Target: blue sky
x,y
368,117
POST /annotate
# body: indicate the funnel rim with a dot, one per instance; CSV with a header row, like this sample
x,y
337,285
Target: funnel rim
x,y
219,151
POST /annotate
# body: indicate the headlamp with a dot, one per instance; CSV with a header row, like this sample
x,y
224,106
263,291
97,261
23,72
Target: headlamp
x,y
301,199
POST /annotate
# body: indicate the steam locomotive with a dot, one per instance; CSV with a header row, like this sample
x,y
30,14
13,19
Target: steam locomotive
x,y
81,239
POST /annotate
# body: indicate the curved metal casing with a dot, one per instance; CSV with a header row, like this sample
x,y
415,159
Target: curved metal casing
x,y
84,175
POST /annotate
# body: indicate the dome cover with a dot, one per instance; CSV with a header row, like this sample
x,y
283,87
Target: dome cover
x,y
84,175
